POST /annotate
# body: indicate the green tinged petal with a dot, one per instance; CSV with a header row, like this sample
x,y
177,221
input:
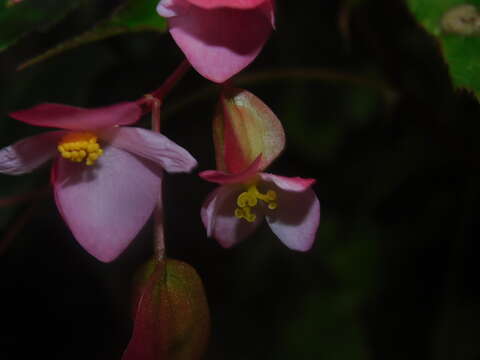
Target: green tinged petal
x,y
244,128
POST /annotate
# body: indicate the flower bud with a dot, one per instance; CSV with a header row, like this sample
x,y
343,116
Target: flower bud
x,y
171,313
243,128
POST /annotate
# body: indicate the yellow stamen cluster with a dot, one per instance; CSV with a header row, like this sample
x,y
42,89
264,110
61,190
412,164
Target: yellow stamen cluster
x,y
249,199
80,146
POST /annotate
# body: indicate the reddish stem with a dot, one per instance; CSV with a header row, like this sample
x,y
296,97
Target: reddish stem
x,y
158,228
154,101
168,84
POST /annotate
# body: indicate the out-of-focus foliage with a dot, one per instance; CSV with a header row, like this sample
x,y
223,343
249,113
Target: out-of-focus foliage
x,y
456,26
393,272
17,20
132,16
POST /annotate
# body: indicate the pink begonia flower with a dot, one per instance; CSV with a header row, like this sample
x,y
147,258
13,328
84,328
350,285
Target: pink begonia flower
x,y
248,137
106,178
219,37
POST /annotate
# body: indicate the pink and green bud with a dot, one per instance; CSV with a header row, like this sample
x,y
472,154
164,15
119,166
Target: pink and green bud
x,y
243,129
172,319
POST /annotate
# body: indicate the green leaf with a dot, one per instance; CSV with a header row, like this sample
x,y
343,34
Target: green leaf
x,y
20,19
132,16
458,34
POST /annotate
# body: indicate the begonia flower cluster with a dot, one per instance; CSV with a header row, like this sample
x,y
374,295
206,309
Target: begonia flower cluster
x,y
107,176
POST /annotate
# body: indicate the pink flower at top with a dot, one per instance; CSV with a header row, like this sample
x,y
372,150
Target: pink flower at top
x,y
219,37
106,178
248,137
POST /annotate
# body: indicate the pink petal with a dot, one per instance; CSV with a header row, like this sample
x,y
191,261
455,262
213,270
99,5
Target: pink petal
x,y
28,154
79,119
219,220
221,177
152,146
209,207
106,205
171,8
288,183
268,9
243,128
296,219
218,42
238,4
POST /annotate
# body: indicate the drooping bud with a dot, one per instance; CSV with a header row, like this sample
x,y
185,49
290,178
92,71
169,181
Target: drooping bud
x,y
172,320
244,128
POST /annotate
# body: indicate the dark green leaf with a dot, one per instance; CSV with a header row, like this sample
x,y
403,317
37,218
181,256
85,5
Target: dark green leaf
x,y
133,16
20,19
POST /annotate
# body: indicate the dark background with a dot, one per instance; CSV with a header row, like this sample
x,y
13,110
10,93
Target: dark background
x,y
370,113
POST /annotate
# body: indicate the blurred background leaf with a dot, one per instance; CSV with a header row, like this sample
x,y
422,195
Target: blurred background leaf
x,y
27,16
393,272
132,16
461,49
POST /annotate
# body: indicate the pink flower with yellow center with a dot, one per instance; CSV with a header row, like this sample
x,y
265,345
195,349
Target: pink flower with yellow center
x,y
219,37
106,178
248,137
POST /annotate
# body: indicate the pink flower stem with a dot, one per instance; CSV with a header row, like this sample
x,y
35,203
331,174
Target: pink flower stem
x,y
158,221
168,84
155,100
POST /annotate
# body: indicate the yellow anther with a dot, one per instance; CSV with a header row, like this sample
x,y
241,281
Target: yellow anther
x,y
272,205
249,199
271,195
93,147
245,213
80,146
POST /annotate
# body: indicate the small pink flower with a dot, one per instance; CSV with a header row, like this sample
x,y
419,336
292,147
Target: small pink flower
x,y
219,37
106,178
248,137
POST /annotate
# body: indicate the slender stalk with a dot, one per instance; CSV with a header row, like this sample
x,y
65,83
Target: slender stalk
x,y
156,105
154,101
158,228
290,74
168,84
